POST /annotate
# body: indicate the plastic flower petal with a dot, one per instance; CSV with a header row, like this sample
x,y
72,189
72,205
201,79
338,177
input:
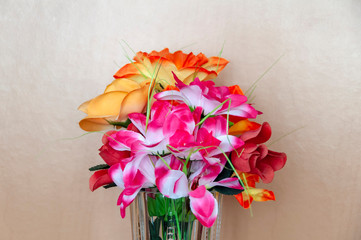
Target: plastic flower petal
x,y
186,66
243,126
204,206
245,198
119,99
254,157
126,198
215,100
116,174
132,179
98,179
125,140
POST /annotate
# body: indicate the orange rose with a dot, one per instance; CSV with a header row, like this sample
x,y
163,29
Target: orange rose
x,y
121,97
185,66
129,91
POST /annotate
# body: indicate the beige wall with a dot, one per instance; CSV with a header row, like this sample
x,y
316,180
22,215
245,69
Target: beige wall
x,y
57,54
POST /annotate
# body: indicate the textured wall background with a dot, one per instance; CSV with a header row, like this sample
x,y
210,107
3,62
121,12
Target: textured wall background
x,y
57,54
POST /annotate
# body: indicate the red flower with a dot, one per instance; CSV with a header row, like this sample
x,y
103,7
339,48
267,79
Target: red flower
x,y
110,157
254,157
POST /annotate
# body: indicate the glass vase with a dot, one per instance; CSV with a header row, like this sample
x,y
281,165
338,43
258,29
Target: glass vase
x,y
156,217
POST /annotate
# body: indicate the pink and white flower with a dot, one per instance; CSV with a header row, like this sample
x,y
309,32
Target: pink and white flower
x,y
210,98
204,206
172,145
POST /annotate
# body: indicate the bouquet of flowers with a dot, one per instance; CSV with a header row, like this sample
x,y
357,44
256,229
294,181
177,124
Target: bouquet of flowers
x,y
176,135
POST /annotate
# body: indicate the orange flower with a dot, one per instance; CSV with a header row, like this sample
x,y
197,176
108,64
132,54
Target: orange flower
x,y
253,193
185,66
129,91
120,98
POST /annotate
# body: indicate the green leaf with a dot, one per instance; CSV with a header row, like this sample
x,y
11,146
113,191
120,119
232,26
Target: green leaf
x,y
226,190
110,185
160,205
157,223
151,207
120,124
99,167
226,173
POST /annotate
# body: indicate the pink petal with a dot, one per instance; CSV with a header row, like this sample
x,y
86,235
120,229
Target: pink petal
x,y
210,173
125,140
181,140
146,167
204,206
217,125
159,111
126,198
179,83
180,118
138,119
235,101
197,114
244,110
171,95
154,133
116,174
228,144
227,182
171,183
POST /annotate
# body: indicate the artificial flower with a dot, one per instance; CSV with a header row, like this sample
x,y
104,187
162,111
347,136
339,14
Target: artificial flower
x,y
161,149
120,98
254,156
162,64
213,100
182,133
204,206
252,193
129,91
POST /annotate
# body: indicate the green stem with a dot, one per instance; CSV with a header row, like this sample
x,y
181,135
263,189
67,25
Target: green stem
x,y
176,218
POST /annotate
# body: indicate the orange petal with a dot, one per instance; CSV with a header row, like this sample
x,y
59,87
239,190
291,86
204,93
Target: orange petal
x,y
179,58
249,179
106,104
200,73
243,126
261,195
244,199
215,64
170,87
91,124
123,85
84,106
235,89
126,70
135,101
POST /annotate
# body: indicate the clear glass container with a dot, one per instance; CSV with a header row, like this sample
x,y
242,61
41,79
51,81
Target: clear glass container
x,y
156,217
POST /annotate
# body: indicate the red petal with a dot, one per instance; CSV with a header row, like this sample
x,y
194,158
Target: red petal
x,y
98,179
258,136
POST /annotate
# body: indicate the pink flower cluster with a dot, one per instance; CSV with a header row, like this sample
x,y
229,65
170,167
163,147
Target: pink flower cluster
x,y
180,149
